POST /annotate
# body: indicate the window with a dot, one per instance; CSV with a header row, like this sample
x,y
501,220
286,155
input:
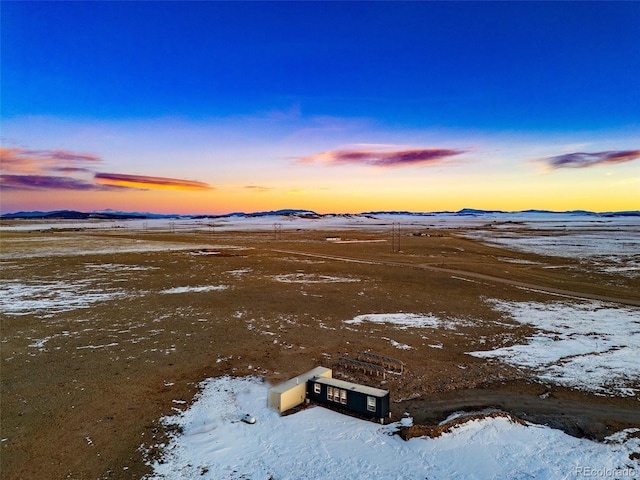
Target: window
x,y
371,404
334,394
316,388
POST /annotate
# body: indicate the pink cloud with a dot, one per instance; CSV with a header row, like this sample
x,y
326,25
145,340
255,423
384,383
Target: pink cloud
x,y
378,158
26,169
583,159
26,161
46,182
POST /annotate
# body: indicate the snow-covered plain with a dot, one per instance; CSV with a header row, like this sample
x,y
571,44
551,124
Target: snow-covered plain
x,y
60,246
541,221
586,345
612,242
592,345
317,443
46,298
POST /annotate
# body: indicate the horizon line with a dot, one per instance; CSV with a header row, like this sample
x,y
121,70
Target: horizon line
x,y
288,211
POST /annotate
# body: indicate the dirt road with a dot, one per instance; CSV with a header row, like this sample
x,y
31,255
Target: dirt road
x,y
580,417
472,275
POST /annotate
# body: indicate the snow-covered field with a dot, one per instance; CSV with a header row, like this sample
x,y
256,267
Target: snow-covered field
x,y
544,222
613,242
60,246
46,298
318,443
587,345
592,346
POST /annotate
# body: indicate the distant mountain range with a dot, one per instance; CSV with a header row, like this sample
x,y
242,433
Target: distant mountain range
x,y
475,212
74,215
114,215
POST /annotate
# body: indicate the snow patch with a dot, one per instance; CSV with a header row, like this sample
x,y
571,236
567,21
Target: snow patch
x,y
239,272
406,320
215,444
206,288
312,278
591,346
398,345
50,297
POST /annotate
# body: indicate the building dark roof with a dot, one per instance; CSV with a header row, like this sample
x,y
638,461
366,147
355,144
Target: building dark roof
x,y
334,382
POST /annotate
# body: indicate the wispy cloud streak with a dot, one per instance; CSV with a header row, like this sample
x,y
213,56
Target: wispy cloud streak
x,y
143,181
381,158
583,159
27,169
48,182
27,161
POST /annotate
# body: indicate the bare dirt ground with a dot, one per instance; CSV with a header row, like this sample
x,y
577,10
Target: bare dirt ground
x,y
123,325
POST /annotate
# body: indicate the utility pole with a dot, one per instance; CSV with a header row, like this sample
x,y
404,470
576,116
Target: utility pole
x,y
395,237
277,231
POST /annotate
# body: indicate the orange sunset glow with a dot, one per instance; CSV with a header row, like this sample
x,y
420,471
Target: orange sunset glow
x,y
427,114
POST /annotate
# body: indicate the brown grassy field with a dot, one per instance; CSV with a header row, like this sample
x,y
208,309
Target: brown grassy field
x,y
117,334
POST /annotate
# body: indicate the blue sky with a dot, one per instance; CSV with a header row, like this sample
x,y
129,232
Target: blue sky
x,y
254,100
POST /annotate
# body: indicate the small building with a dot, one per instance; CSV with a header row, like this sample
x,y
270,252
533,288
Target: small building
x,y
292,393
366,401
